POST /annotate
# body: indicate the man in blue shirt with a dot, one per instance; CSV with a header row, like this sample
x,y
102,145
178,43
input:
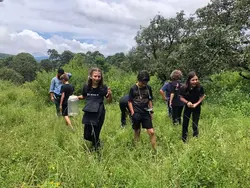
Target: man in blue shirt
x,y
165,92
55,88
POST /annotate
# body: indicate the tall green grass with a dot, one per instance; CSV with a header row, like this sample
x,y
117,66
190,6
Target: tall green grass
x,y
38,150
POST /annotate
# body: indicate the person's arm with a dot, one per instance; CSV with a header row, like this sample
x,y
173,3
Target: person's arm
x,y
130,99
61,101
199,101
171,99
130,106
163,95
150,102
80,97
188,103
109,95
51,90
84,93
202,96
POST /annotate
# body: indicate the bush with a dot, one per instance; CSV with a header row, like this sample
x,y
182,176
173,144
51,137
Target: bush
x,y
11,75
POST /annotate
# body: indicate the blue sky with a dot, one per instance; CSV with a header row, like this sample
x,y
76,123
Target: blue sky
x,y
80,25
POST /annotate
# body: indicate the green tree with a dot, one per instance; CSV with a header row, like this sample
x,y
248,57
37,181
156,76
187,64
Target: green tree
x,y
65,57
26,65
46,65
11,75
116,59
54,57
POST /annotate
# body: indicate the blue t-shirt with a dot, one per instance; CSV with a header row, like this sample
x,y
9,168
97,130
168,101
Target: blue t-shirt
x,y
56,84
167,89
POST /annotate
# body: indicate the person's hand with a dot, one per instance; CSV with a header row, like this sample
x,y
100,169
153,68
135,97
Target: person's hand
x,y
109,92
195,105
151,115
132,113
190,105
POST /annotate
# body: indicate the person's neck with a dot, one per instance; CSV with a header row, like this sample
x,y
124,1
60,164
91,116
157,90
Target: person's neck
x,y
139,85
94,85
66,82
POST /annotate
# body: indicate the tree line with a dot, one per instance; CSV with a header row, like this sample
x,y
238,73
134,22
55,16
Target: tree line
x,y
214,39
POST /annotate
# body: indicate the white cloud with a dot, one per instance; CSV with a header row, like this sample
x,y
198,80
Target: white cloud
x,y
110,24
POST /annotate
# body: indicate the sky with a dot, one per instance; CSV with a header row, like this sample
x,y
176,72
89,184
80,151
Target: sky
x,y
109,26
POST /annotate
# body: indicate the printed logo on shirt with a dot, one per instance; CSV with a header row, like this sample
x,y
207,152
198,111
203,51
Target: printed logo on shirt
x,y
93,94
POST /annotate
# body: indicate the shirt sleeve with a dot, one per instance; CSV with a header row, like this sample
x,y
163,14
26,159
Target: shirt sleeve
x,y
84,90
172,88
150,93
182,91
131,95
62,89
202,92
164,87
52,86
105,90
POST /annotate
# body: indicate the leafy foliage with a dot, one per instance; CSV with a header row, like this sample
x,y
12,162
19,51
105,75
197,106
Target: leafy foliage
x,y
11,75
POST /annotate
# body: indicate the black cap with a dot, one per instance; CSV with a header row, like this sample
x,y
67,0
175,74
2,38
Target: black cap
x,y
60,71
143,76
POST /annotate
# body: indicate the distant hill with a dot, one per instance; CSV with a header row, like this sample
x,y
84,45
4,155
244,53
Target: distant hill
x,y
2,55
38,58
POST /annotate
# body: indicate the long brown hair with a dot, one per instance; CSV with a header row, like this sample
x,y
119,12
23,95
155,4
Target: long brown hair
x,y
95,69
189,77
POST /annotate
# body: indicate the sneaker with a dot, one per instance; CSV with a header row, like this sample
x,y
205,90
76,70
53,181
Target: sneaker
x,y
71,128
123,125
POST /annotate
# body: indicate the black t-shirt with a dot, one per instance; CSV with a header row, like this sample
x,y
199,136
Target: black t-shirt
x,y
68,90
140,98
124,100
95,94
175,89
192,94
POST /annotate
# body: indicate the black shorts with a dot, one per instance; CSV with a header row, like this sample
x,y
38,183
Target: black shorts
x,y
64,110
142,119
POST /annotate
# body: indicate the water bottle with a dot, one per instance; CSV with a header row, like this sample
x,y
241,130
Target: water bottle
x,y
73,109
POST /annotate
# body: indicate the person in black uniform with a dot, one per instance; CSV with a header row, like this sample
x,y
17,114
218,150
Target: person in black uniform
x,y
141,105
66,90
192,94
175,102
94,111
123,103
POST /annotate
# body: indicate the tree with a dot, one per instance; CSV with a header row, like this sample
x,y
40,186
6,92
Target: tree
x,y
158,44
11,75
116,59
54,57
26,65
65,57
46,65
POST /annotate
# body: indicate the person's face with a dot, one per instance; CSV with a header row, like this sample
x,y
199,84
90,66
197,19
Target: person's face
x,y
143,83
96,77
194,81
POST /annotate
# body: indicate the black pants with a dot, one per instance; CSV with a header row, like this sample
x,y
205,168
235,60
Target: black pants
x,y
57,99
195,119
169,108
176,114
124,109
92,132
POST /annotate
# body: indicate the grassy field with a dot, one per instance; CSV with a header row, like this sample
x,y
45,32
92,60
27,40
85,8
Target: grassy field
x,y
38,150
